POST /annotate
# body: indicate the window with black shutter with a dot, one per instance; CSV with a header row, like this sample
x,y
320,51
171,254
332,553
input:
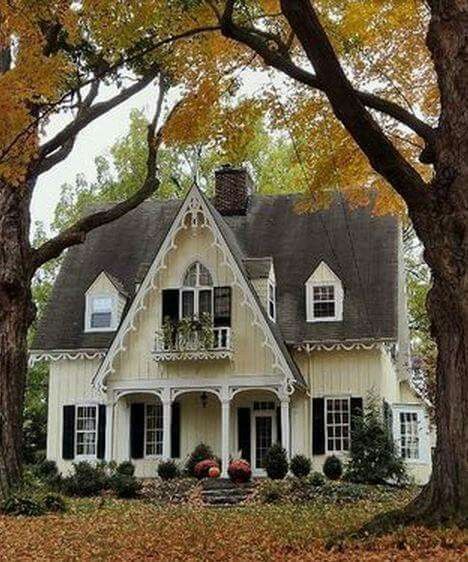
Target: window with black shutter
x,y
243,433
68,435
137,430
318,426
170,304
222,306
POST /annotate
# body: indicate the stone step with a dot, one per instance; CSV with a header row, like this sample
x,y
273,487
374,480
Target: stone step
x,y
223,492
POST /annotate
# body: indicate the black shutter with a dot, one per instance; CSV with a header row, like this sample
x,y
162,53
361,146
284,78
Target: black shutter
x,y
101,435
278,425
170,304
388,416
175,430
318,426
137,430
243,432
68,436
356,410
222,306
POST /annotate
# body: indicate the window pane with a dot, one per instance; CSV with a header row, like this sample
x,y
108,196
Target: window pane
x,y
102,304
205,302
101,320
86,423
153,429
409,435
204,279
187,304
338,427
190,279
324,309
324,293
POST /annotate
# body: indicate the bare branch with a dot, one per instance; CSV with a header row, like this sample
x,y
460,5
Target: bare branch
x,y
280,59
76,234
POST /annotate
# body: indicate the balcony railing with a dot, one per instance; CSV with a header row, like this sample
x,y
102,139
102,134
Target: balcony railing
x,y
193,346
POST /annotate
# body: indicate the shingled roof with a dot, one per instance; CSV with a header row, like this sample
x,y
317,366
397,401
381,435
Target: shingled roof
x,y
360,248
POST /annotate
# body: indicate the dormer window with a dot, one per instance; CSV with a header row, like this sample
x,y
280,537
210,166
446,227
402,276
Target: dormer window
x,y
101,313
105,302
324,296
324,305
196,295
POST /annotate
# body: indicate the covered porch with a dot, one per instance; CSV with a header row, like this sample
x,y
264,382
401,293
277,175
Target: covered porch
x,y
239,418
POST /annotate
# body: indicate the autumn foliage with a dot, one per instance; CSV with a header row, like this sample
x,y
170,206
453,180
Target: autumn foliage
x,y
140,531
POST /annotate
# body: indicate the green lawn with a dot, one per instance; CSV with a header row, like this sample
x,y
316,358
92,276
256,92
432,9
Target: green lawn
x,y
108,529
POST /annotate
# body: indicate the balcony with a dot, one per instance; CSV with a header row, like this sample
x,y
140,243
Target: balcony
x,y
191,342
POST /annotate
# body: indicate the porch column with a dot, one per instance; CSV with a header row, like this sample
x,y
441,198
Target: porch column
x,y
167,409
225,411
109,431
285,431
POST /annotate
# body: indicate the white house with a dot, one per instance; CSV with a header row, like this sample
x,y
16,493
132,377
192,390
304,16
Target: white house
x,y
236,322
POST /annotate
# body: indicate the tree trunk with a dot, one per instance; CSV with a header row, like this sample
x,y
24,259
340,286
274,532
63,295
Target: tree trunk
x,y
443,230
16,315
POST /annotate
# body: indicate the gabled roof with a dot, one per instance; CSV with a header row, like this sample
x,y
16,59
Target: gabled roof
x,y
360,248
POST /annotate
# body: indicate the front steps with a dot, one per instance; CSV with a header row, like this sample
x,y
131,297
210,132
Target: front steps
x,y
222,492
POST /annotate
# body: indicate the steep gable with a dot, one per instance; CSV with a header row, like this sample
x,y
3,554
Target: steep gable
x,y
257,340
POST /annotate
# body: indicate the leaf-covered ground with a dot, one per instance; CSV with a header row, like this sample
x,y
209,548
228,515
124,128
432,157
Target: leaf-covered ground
x,y
135,530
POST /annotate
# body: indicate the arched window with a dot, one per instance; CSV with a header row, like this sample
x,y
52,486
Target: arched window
x,y
197,292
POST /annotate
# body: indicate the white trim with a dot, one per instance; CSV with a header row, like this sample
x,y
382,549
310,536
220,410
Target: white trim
x,y
309,347
424,448
330,279
71,355
89,311
86,457
325,411
194,210
254,414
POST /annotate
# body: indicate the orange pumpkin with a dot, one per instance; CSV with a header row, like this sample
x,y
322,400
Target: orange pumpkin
x,y
214,472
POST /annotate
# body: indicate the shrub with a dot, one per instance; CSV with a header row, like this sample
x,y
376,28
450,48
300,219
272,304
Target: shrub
x,y
201,452
126,468
86,480
168,470
272,492
125,485
21,503
373,455
276,462
202,468
47,470
54,503
239,471
316,479
333,468
300,466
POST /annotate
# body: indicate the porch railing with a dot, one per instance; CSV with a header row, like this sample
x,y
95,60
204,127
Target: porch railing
x,y
193,344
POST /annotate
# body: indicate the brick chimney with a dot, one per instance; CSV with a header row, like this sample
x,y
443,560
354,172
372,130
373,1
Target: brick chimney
x,y
233,187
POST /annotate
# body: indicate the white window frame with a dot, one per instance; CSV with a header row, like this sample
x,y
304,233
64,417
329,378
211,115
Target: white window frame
x,y
336,300
423,431
88,457
324,276
333,451
89,311
157,442
271,288
196,290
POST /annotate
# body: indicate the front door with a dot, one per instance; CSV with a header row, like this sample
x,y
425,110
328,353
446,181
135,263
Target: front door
x,y
263,434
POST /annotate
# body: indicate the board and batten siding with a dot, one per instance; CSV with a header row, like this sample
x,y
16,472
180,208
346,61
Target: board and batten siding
x,y
69,383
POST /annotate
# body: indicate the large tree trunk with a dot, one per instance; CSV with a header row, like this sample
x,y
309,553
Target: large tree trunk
x,y
444,233
16,315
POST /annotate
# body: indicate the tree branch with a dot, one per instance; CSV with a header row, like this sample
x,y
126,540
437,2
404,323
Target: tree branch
x,y
65,139
281,60
76,234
